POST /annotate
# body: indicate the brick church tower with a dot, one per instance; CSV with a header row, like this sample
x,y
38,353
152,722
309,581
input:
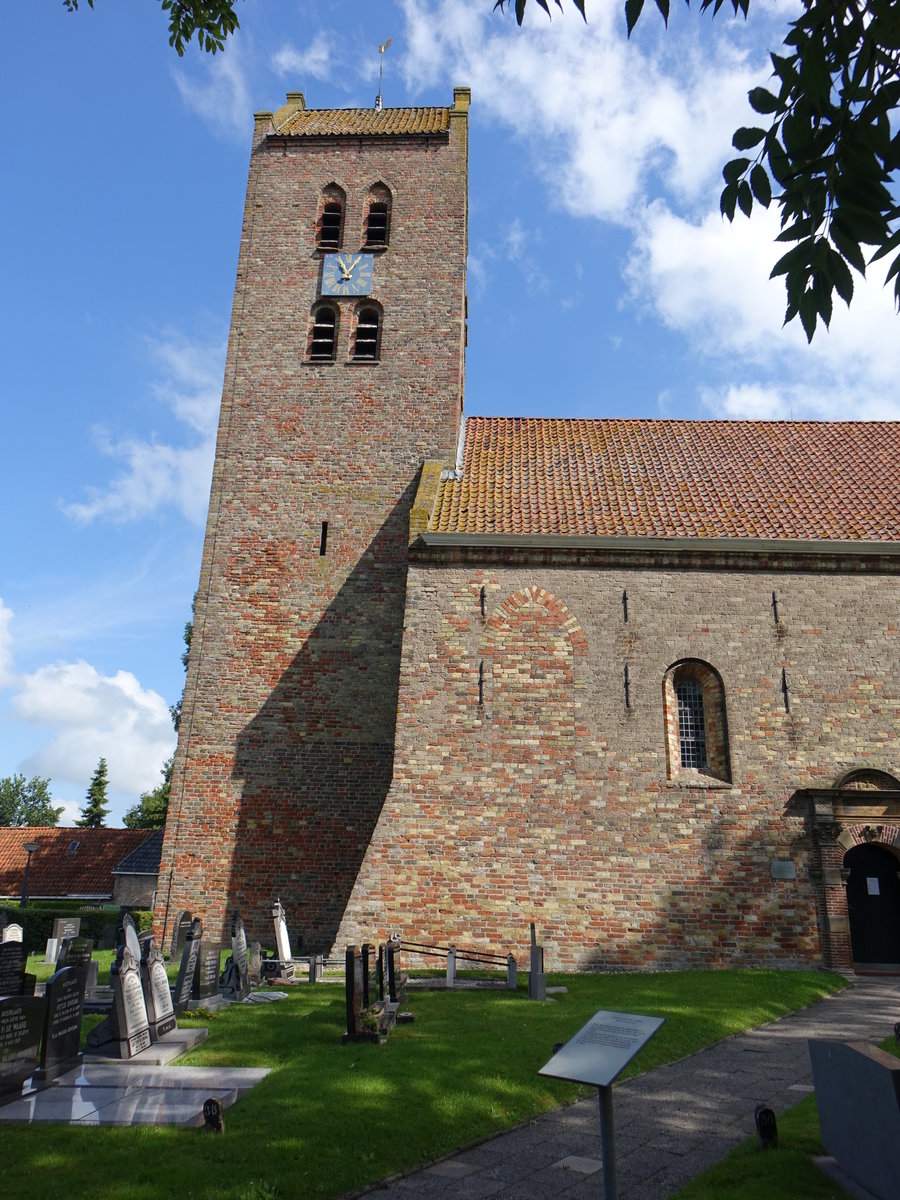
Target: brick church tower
x,y
344,377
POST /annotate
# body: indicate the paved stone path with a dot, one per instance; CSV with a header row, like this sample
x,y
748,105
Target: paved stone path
x,y
671,1123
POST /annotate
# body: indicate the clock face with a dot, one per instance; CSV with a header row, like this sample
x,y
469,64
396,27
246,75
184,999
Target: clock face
x,y
347,274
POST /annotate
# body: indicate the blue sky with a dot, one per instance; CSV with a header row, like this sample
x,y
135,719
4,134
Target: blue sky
x,y
602,282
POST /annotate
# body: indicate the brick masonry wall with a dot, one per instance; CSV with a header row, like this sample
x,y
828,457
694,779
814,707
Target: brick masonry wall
x,y
551,801
286,745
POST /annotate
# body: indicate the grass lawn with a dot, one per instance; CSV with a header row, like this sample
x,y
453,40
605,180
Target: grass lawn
x,y
330,1118
749,1172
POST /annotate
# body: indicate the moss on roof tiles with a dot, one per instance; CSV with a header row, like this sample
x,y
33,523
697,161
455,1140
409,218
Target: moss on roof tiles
x,y
366,122
794,480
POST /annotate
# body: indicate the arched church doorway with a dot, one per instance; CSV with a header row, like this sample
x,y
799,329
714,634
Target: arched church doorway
x,y
873,904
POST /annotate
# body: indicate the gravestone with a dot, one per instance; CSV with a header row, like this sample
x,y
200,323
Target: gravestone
x,y
179,934
12,932
190,956
126,1031
107,938
12,968
51,951
21,1026
128,934
282,942
206,977
353,994
237,970
537,980
858,1097
157,996
76,952
62,1025
64,927
255,962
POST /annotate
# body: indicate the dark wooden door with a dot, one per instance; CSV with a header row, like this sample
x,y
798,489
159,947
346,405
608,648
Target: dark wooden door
x,y
873,901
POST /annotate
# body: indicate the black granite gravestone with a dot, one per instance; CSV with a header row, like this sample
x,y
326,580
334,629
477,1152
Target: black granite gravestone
x,y
157,996
206,977
125,1032
64,994
12,968
190,956
21,1026
179,935
107,938
76,952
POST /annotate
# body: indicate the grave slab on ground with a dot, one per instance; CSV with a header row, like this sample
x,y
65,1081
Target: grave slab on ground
x,y
161,1053
126,1093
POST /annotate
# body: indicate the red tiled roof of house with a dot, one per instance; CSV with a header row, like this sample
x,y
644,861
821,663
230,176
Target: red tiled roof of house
x,y
365,122
803,480
68,862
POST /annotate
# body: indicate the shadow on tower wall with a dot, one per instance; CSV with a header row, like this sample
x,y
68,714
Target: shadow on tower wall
x,y
315,763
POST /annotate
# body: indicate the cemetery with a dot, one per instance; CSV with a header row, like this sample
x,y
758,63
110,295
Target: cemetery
x,y
291,1073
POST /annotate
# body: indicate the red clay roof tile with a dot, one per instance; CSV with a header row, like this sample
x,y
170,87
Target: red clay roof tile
x,y
56,869
803,480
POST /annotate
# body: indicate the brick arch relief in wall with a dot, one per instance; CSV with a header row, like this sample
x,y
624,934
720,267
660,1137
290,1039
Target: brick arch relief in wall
x,y
527,665
694,708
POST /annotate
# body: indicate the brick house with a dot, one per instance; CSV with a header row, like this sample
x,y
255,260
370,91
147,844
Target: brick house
x,y
78,864
635,681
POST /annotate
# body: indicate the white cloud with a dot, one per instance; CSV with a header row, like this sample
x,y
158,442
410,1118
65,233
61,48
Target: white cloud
x,y
93,716
6,657
220,96
315,60
157,475
709,280
635,134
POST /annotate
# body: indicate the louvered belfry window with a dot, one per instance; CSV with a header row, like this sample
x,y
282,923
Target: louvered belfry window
x,y
377,224
324,335
330,225
366,344
691,725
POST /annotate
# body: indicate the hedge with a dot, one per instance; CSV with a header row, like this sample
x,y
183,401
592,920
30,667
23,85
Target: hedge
x,y
38,916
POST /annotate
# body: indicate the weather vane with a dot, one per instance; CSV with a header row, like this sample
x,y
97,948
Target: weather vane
x,y
381,50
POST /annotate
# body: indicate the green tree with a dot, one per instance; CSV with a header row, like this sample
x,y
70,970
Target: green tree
x,y
211,20
175,709
27,801
95,807
828,149
150,811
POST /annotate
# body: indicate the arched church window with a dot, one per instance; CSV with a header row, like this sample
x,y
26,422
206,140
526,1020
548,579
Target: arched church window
x,y
323,334
330,221
696,726
367,340
376,231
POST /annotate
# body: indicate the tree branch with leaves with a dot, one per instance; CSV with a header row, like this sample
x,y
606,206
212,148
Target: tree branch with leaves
x,y
828,146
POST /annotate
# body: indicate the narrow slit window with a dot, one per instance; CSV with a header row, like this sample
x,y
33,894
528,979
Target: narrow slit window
x,y
324,335
377,224
691,726
367,330
323,540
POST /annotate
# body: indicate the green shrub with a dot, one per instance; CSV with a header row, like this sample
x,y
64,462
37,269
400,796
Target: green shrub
x,y
38,916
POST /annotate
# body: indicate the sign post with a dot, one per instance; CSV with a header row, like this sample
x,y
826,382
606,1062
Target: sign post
x,y
596,1055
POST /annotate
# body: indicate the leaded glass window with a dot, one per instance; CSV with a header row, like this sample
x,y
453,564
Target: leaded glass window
x,y
691,725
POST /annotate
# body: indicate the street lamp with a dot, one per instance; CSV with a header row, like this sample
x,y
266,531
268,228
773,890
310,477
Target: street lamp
x,y
30,848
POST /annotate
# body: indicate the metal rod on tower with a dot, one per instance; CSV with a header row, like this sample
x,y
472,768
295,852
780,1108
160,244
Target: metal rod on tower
x,y
381,49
